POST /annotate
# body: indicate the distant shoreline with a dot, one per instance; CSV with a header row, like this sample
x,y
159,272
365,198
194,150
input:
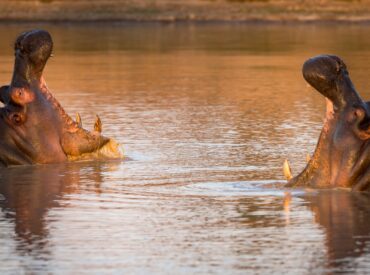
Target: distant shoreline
x,y
290,22
185,11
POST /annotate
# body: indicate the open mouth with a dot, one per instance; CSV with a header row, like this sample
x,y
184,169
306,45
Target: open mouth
x,y
341,156
329,76
32,111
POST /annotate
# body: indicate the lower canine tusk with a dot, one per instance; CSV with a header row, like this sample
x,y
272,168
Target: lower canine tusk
x,y
287,170
78,120
98,124
308,158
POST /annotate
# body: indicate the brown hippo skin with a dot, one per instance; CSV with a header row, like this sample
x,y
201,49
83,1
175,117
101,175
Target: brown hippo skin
x,y
34,128
342,155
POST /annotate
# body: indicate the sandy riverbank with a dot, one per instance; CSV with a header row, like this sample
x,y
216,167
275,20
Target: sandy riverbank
x,y
186,10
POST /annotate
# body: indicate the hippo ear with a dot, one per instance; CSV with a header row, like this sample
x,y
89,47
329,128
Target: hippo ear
x,y
17,118
361,117
329,76
4,94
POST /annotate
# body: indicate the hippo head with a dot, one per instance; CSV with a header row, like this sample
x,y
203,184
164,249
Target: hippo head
x,y
34,128
342,155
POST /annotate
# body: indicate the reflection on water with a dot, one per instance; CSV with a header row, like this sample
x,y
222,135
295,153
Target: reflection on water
x,y
207,114
345,218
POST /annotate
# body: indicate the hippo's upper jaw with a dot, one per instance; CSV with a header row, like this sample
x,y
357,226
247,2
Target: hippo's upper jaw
x,y
32,50
342,155
34,128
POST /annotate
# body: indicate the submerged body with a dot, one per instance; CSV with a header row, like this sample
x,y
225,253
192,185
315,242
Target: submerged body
x,y
34,128
342,155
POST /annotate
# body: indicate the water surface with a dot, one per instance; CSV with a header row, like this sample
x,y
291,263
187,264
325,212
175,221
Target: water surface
x,y
206,114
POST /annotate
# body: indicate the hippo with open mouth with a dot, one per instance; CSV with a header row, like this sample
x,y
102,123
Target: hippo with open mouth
x,y
342,155
34,128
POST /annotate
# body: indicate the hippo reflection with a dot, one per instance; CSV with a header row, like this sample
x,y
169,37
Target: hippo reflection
x,y
28,193
346,227
34,128
342,155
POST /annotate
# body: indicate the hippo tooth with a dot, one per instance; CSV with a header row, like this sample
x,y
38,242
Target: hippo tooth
x,y
78,120
98,124
308,158
287,170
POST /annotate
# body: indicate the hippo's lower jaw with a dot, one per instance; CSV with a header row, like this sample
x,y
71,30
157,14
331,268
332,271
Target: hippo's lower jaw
x,y
342,155
34,128
110,150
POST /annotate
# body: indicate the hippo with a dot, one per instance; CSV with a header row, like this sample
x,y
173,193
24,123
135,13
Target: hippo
x,y
34,127
342,155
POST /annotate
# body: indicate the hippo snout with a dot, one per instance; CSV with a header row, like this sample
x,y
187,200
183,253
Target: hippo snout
x,y
36,44
32,50
322,71
328,75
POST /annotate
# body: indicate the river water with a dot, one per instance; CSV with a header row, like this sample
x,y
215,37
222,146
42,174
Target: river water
x,y
206,115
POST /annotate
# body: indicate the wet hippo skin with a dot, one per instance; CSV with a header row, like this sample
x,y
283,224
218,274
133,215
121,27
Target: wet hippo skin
x,y
342,155
34,128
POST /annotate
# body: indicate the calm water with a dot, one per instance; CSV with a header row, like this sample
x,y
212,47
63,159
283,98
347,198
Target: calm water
x,y
206,114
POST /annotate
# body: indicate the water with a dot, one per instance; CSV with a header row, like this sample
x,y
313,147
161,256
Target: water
x,y
206,114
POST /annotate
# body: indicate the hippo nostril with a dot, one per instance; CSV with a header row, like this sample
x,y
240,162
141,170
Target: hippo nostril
x,y
339,63
338,67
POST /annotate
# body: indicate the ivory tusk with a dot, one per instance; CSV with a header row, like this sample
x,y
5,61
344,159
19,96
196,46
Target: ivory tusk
x,y
308,158
78,120
98,124
287,170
